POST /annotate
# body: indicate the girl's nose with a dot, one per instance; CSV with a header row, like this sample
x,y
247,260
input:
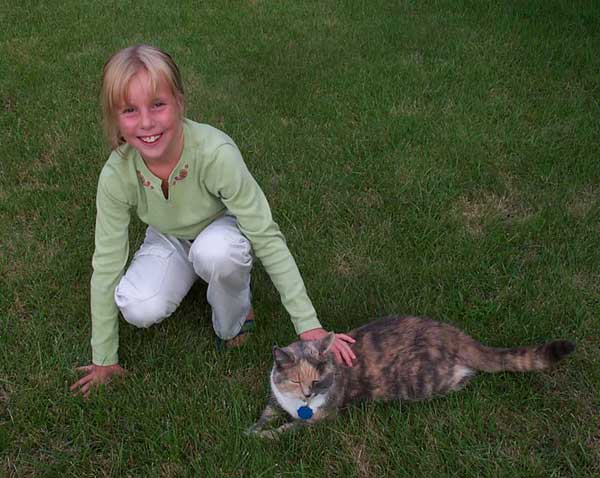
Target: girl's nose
x,y
146,120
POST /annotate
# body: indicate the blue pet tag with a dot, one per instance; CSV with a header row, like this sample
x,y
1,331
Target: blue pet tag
x,y
305,412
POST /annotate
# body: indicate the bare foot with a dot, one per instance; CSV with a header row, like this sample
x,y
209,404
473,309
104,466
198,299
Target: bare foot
x,y
240,339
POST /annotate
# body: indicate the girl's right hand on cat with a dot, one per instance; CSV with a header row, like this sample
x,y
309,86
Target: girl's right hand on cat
x,y
95,375
340,347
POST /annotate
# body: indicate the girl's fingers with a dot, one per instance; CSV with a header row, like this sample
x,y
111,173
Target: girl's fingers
x,y
343,353
77,384
343,350
345,347
85,390
82,381
345,338
348,359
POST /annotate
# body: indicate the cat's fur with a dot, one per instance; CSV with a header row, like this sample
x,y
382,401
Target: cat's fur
x,y
397,358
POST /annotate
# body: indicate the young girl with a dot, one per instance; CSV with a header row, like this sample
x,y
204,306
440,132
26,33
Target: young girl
x,y
205,215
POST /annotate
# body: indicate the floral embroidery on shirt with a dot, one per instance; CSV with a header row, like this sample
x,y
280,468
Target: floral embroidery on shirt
x,y
143,180
182,174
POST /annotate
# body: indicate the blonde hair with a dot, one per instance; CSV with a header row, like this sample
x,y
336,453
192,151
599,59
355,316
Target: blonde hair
x,y
118,72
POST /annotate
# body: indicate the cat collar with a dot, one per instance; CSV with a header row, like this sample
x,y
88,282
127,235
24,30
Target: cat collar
x,y
305,412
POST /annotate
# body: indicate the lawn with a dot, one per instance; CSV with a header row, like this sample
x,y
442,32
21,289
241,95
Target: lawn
x,y
435,158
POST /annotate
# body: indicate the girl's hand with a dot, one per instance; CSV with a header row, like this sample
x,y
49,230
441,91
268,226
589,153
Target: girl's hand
x,y
95,375
340,348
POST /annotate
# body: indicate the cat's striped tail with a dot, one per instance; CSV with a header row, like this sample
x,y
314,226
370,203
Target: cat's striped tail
x,y
522,359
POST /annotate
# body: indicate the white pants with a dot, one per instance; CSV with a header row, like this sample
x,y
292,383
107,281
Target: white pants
x,y
164,269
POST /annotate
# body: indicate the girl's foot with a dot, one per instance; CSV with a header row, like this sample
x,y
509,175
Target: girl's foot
x,y
242,336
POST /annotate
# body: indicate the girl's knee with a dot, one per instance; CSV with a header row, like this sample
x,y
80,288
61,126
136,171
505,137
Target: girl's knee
x,y
143,315
143,312
224,260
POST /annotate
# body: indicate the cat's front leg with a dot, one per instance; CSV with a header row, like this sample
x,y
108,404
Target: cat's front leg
x,y
269,415
275,433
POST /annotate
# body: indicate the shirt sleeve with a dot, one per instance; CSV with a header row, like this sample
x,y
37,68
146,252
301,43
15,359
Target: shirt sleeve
x,y
110,257
228,178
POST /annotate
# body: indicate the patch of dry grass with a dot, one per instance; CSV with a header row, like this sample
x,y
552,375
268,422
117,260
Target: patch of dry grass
x,y
487,207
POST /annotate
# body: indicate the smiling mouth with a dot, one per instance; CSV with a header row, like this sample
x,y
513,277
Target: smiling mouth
x,y
150,139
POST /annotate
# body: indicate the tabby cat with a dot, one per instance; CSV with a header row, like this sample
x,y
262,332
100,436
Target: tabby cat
x,y
397,358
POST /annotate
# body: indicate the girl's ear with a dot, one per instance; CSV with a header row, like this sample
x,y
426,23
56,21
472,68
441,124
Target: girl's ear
x,y
326,343
181,104
283,358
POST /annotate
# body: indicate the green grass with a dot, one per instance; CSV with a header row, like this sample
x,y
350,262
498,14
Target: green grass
x,y
433,157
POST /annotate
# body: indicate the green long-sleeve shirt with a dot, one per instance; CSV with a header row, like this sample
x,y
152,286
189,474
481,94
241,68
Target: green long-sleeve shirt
x,y
210,178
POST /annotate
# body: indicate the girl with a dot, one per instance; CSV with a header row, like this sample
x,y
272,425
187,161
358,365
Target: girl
x,y
205,215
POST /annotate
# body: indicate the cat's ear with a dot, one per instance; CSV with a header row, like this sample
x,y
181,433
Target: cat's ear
x,y
326,343
282,357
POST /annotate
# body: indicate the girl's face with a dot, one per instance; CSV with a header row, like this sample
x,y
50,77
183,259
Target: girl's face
x,y
151,122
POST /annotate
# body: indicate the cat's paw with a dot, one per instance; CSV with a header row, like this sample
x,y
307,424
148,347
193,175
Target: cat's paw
x,y
269,434
253,431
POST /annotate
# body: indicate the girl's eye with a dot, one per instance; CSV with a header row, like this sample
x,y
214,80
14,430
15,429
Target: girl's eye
x,y
158,104
127,110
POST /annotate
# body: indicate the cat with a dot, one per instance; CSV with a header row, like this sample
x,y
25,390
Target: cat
x,y
397,358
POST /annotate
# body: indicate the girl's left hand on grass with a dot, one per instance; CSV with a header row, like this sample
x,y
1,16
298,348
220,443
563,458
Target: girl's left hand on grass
x,y
340,348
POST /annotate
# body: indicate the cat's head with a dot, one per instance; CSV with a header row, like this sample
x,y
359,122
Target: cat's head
x,y
304,369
